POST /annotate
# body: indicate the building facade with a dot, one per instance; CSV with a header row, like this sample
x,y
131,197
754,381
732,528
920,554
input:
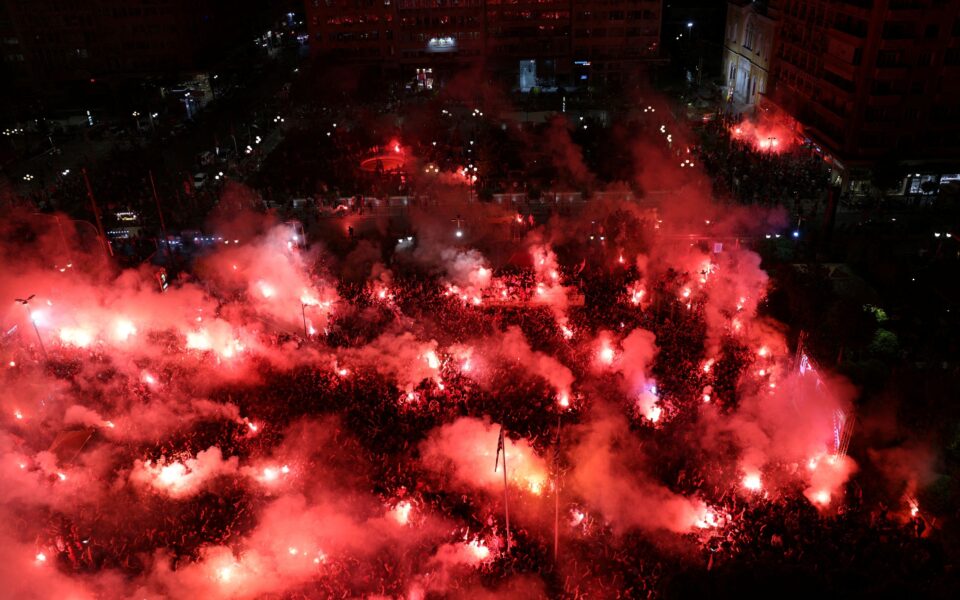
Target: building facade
x,y
55,48
536,44
748,42
871,81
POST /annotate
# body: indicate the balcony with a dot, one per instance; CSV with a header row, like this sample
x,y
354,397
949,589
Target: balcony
x,y
844,37
907,9
891,72
898,30
840,66
845,86
854,8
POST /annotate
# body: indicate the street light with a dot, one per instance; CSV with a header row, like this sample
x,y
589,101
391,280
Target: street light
x,y
33,320
303,312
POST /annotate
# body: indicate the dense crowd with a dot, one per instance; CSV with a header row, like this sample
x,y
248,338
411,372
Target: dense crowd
x,y
752,175
379,427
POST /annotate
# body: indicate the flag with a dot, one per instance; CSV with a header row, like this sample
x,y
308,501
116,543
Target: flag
x,y
500,449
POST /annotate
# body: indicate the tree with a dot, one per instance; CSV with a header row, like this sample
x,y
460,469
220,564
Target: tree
x,y
884,343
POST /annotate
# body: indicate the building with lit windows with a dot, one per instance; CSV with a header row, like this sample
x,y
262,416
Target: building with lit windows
x,y
534,44
871,82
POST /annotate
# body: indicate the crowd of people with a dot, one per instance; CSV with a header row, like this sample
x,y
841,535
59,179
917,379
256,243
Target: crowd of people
x,y
752,175
380,426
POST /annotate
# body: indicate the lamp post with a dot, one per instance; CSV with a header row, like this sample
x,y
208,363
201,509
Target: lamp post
x,y
303,312
26,303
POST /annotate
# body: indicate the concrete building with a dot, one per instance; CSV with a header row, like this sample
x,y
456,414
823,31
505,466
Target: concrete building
x,y
748,42
58,50
530,43
872,82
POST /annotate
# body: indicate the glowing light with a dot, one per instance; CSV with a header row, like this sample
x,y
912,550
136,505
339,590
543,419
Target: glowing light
x,y
752,482
536,486
270,474
709,519
459,234
401,512
707,365
685,293
763,352
576,517
76,337
479,551
12,363
567,332
432,361
653,413
343,372
607,354
253,427
822,497
563,399
148,378
224,574
41,557
62,476
284,469
199,340
18,415
309,300
172,474
123,329
266,289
